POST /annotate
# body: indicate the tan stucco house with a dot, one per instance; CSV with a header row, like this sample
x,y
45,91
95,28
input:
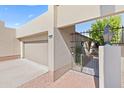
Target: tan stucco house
x,y
50,33
46,39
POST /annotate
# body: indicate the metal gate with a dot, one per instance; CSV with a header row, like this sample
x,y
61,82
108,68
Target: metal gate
x,y
85,51
85,54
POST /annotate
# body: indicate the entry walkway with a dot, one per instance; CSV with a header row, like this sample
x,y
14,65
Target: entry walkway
x,y
92,67
14,73
71,79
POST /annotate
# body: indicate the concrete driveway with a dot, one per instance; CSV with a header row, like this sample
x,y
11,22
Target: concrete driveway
x,y
14,73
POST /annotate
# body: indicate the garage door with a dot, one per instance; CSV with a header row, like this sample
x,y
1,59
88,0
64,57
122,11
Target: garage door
x,y
37,51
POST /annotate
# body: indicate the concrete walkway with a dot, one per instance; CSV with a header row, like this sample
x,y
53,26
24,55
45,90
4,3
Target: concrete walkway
x,y
14,73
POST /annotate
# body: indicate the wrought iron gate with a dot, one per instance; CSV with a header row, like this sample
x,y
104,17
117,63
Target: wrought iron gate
x,y
85,51
85,54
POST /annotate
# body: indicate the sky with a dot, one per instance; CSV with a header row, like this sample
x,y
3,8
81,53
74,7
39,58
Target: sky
x,y
15,16
84,26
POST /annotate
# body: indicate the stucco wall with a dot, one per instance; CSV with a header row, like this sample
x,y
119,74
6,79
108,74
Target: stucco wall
x,y
119,8
122,66
122,51
107,9
39,24
63,56
66,34
9,45
110,66
1,24
51,28
71,14
35,37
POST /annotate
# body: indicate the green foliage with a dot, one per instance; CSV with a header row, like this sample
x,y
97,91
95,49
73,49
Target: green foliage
x,y
97,29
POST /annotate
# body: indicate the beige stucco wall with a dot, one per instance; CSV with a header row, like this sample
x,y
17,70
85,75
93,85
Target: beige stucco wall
x,y
110,66
71,14
107,9
1,24
66,34
9,45
119,8
122,66
35,37
63,56
51,29
37,25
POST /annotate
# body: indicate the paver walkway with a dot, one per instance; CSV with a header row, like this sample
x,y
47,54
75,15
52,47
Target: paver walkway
x,y
71,79
92,67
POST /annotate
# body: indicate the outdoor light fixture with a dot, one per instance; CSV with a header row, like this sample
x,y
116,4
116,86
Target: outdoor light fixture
x,y
107,35
50,36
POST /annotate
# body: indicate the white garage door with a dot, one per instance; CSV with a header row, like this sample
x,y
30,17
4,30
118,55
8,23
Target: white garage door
x,y
37,51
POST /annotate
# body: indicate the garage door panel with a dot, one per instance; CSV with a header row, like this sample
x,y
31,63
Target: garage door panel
x,y
37,52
